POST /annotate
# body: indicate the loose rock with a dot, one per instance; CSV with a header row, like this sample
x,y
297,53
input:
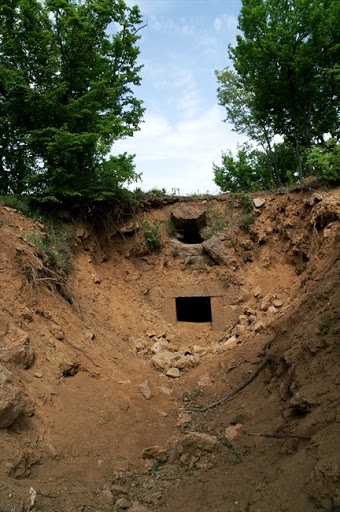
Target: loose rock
x,y
173,372
145,389
12,401
216,250
233,432
259,202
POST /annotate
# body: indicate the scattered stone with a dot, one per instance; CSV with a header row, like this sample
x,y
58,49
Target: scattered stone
x,y
257,291
166,391
150,334
90,334
187,361
155,452
173,372
259,326
12,401
38,375
233,432
203,442
164,359
243,320
145,389
107,497
124,381
59,335
259,202
198,349
277,303
216,250
204,381
249,311
241,330
231,342
272,309
265,303
159,345
96,279
184,418
122,504
188,459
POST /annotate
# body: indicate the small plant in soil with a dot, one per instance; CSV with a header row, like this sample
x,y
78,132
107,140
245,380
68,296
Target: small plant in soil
x,y
246,203
247,221
56,250
216,228
152,236
324,325
191,396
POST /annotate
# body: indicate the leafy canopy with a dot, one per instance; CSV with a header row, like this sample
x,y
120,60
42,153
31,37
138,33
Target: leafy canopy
x,y
285,79
67,73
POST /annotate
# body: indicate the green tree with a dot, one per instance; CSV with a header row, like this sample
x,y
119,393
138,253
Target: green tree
x,y
285,77
252,169
67,73
325,160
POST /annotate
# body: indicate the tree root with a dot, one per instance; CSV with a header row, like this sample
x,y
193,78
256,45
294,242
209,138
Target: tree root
x,y
243,385
231,395
279,436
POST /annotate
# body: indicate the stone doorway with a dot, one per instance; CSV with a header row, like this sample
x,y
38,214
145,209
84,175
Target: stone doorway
x,y
195,304
193,309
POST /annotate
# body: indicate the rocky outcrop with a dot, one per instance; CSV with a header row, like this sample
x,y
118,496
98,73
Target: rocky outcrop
x,y
12,401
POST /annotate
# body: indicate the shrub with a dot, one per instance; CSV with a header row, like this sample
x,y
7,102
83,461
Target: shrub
x,y
152,236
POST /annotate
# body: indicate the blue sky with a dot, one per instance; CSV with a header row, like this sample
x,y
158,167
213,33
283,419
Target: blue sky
x,y
182,133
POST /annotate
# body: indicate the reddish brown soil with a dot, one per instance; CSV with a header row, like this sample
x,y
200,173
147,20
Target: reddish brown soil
x,y
86,423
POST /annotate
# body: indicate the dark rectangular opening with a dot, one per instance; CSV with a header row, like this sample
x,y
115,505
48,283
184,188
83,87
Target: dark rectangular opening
x,y
193,309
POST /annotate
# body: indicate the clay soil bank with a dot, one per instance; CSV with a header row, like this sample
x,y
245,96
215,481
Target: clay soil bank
x,y
112,381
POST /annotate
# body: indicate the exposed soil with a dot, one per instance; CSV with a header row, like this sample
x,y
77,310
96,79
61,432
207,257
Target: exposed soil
x,y
104,429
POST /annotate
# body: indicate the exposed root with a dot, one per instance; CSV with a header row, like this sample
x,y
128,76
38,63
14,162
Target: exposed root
x,y
232,393
38,272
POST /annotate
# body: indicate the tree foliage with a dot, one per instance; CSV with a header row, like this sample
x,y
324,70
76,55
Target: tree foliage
x,y
67,72
251,169
285,80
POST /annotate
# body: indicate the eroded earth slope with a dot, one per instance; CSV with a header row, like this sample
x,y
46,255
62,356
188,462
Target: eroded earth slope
x,y
114,399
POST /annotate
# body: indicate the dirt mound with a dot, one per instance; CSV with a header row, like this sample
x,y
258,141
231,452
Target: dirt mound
x,y
175,368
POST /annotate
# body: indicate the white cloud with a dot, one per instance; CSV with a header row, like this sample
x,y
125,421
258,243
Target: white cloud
x,y
180,155
217,24
225,21
209,45
149,7
181,25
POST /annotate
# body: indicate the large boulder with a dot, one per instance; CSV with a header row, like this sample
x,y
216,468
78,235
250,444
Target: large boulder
x,y
21,355
12,401
188,221
216,249
186,215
